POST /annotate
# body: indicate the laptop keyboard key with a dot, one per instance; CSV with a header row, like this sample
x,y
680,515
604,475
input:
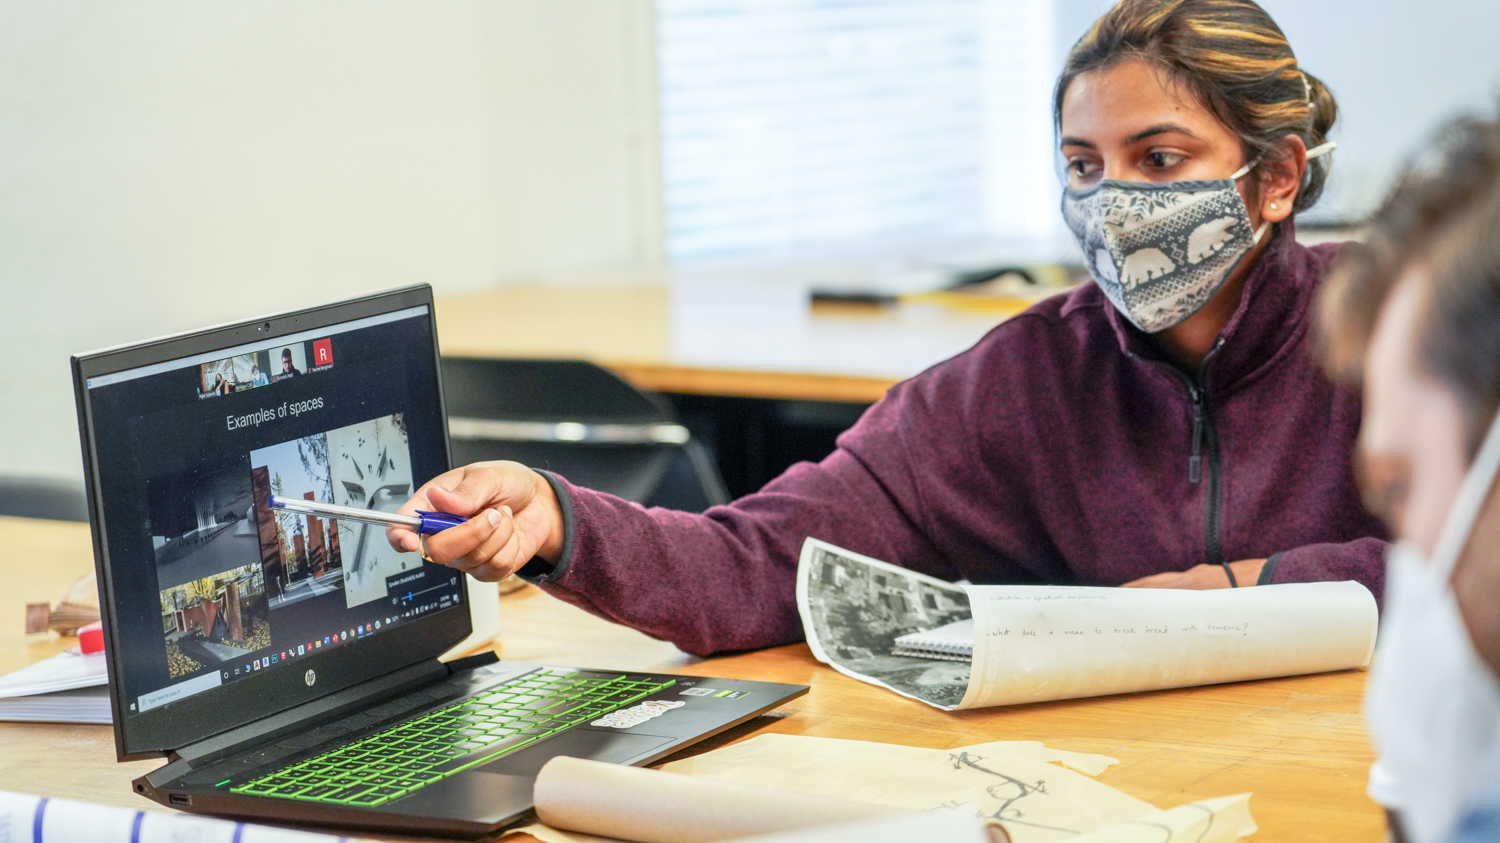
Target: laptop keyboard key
x,y
468,760
346,793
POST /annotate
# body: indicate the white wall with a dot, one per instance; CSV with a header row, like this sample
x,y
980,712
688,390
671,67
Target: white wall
x,y
167,164
1398,69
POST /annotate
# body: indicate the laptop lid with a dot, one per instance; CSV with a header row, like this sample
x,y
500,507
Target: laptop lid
x,y
218,610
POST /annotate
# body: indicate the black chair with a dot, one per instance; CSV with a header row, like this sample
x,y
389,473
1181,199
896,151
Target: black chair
x,y
42,497
582,422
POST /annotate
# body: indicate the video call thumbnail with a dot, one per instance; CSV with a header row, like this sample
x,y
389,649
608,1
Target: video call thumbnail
x,y
365,465
263,368
288,361
234,374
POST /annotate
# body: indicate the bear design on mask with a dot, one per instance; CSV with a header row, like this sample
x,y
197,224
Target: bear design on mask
x,y
1208,238
1145,264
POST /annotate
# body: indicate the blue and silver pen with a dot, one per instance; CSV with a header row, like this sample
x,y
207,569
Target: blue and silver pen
x,y
424,523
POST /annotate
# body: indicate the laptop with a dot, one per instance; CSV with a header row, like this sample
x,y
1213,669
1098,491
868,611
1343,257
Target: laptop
x,y
287,666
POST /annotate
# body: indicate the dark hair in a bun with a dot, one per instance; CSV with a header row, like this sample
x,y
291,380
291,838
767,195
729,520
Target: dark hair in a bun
x,y
1233,58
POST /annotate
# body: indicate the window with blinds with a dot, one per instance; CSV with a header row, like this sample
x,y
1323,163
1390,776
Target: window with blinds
x,y
793,127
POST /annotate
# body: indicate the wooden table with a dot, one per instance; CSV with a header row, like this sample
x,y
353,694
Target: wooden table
x,y
1299,744
758,340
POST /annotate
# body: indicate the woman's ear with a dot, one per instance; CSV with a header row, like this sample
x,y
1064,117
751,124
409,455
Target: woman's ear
x,y
1281,178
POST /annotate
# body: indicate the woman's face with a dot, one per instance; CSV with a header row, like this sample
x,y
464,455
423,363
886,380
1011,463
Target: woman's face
x,y
1132,123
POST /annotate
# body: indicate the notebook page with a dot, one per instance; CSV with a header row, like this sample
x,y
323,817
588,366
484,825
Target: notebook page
x,y
954,639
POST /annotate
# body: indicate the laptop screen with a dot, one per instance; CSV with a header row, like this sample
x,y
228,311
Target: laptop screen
x,y
222,606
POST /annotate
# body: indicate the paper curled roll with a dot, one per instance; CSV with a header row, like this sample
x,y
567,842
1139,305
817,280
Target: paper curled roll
x,y
649,806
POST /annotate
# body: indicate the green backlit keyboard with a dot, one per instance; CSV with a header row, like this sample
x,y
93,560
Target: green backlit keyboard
x,y
430,747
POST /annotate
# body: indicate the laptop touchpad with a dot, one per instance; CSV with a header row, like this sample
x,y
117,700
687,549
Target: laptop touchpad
x,y
613,747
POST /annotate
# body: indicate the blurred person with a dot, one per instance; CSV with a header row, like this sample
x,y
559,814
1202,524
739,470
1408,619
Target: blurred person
x,y
287,369
1414,315
1165,426
257,377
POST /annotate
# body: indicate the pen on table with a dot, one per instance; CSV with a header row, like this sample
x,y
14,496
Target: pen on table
x,y
423,523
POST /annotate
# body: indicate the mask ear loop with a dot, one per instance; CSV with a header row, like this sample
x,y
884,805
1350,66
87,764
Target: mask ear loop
x,y
1320,149
1466,507
1260,232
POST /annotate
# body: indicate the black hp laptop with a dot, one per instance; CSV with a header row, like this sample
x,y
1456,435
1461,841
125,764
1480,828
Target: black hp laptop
x,y
286,665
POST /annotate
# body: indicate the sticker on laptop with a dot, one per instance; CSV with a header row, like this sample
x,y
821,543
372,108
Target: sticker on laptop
x,y
637,714
696,692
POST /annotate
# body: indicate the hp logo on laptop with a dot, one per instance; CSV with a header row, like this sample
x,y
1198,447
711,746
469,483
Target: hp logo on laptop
x,y
309,677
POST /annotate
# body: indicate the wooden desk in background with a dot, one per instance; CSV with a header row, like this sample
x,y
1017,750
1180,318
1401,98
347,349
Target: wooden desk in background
x,y
760,340
762,377
1299,744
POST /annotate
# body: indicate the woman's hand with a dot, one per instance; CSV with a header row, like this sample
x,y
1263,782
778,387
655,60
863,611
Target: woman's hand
x,y
1246,572
513,515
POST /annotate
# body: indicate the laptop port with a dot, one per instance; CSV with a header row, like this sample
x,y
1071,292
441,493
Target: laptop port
x,y
179,799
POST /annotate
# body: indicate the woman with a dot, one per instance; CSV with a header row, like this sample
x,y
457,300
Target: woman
x,y
1415,315
1166,427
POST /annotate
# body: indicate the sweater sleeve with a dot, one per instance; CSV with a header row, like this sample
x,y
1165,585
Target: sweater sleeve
x,y
1361,560
908,484
725,580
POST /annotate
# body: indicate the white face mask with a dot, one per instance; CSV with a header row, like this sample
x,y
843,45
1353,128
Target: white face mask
x,y
1432,704
1161,251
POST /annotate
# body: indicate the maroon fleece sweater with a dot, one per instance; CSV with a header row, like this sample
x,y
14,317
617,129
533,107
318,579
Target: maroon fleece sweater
x,y
1060,449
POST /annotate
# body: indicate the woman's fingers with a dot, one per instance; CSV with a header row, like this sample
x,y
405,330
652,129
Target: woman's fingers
x,y
499,548
462,491
493,497
451,546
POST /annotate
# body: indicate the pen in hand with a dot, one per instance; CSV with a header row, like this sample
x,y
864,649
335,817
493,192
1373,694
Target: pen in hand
x,y
423,523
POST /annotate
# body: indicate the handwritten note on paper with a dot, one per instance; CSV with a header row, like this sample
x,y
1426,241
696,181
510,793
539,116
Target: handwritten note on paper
x,y
1036,643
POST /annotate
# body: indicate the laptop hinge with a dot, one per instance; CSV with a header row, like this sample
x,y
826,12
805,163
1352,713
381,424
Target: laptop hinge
x,y
296,719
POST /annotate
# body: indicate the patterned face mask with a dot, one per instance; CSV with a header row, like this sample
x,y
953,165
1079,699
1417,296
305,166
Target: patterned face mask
x,y
1160,251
